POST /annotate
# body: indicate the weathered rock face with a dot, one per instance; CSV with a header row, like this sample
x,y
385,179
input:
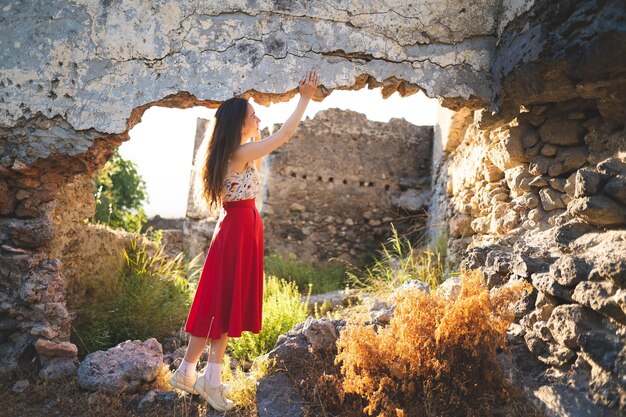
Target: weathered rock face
x,y
536,193
124,56
333,189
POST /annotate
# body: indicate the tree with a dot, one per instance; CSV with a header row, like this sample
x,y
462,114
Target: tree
x,y
120,194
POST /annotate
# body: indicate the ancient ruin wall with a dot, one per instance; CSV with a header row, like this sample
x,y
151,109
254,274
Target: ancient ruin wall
x,y
334,189
539,193
92,69
75,77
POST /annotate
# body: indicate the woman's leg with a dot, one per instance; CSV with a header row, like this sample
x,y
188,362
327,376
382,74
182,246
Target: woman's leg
x,y
213,370
218,347
195,348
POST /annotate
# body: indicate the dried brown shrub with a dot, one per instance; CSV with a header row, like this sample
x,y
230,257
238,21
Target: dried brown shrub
x,y
437,357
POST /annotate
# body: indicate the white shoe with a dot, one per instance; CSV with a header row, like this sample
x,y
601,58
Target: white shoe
x,y
214,396
181,381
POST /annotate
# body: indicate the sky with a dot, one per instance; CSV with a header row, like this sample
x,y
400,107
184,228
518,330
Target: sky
x,y
161,146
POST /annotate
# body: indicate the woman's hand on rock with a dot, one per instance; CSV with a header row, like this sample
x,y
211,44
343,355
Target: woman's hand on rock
x,y
308,85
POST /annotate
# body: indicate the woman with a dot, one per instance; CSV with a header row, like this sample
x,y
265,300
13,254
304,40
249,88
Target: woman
x,y
229,297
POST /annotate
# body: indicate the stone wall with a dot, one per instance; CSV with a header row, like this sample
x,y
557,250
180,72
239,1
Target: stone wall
x,y
537,192
334,189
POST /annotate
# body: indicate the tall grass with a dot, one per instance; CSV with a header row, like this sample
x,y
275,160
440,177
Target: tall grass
x,y
243,384
282,309
330,277
150,298
400,262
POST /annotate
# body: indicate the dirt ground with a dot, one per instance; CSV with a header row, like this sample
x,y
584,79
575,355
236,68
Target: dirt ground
x,y
64,397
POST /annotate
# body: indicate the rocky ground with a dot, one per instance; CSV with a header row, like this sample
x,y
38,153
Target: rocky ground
x,y
27,394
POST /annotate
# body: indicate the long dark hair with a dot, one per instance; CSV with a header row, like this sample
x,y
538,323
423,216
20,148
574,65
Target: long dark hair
x,y
220,140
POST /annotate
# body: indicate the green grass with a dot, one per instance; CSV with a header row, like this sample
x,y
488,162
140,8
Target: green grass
x,y
150,298
282,309
331,277
400,262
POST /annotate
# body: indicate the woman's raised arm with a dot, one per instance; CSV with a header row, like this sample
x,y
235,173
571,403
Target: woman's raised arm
x,y
255,150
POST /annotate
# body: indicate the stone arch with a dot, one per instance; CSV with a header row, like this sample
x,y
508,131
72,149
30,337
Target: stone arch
x,y
96,67
71,89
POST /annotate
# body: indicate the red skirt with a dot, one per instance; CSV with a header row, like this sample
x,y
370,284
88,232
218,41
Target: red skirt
x,y
229,297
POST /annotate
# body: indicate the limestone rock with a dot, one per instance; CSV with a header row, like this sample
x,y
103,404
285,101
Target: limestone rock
x,y
156,398
539,165
612,166
509,151
598,210
60,349
587,182
549,150
460,225
569,270
550,199
411,200
568,160
451,287
567,322
381,312
410,285
276,396
320,333
558,131
544,282
121,368
31,233
20,386
616,189
604,297
58,368
515,178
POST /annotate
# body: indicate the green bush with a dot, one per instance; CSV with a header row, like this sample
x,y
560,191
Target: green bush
x,y
120,194
150,298
401,262
282,309
302,273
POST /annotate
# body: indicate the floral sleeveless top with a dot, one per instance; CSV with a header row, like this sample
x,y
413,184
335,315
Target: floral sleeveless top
x,y
243,185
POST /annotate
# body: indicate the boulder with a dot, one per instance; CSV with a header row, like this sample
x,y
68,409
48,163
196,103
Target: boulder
x,y
276,396
123,367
